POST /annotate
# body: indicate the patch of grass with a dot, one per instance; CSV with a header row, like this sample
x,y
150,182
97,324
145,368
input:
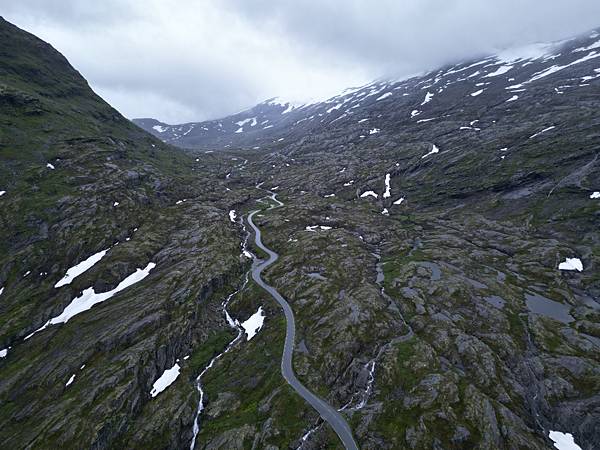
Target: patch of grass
x,y
210,348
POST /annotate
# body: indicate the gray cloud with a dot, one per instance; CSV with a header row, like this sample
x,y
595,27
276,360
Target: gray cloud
x,y
71,13
419,34
197,59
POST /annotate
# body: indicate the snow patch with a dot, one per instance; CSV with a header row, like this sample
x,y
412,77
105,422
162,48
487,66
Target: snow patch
x,y
555,68
70,380
387,192
241,123
563,441
428,98
374,131
333,108
80,268
500,71
50,166
254,323
289,108
165,380
399,201
593,46
476,93
315,227
594,195
384,96
571,264
90,298
368,194
159,128
433,151
542,132
232,215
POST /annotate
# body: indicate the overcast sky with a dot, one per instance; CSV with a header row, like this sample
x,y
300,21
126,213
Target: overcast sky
x,y
191,60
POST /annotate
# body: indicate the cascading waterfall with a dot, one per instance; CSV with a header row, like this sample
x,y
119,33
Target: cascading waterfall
x,y
232,324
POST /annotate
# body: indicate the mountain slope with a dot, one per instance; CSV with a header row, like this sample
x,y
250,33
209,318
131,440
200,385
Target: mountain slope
x,y
247,126
78,179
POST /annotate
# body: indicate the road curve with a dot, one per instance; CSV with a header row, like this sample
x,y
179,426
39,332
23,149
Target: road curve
x,y
327,412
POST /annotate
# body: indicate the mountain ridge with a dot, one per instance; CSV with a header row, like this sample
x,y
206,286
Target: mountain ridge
x,y
244,128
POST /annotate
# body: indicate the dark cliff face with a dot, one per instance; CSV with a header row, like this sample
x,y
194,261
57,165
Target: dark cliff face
x,y
428,298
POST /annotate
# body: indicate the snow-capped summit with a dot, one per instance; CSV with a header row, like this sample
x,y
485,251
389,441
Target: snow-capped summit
x,y
511,77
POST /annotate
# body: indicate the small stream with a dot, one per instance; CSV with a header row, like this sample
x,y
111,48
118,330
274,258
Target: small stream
x,y
369,367
234,324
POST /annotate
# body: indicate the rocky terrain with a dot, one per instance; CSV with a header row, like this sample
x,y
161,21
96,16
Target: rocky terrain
x,y
438,243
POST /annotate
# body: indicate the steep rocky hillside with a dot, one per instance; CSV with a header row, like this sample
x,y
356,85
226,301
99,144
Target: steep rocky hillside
x,y
438,244
78,180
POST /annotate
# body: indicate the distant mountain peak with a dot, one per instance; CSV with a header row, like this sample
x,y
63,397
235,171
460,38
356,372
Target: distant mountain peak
x,y
506,72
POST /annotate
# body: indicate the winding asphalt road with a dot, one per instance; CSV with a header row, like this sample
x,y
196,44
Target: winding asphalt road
x,y
327,412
